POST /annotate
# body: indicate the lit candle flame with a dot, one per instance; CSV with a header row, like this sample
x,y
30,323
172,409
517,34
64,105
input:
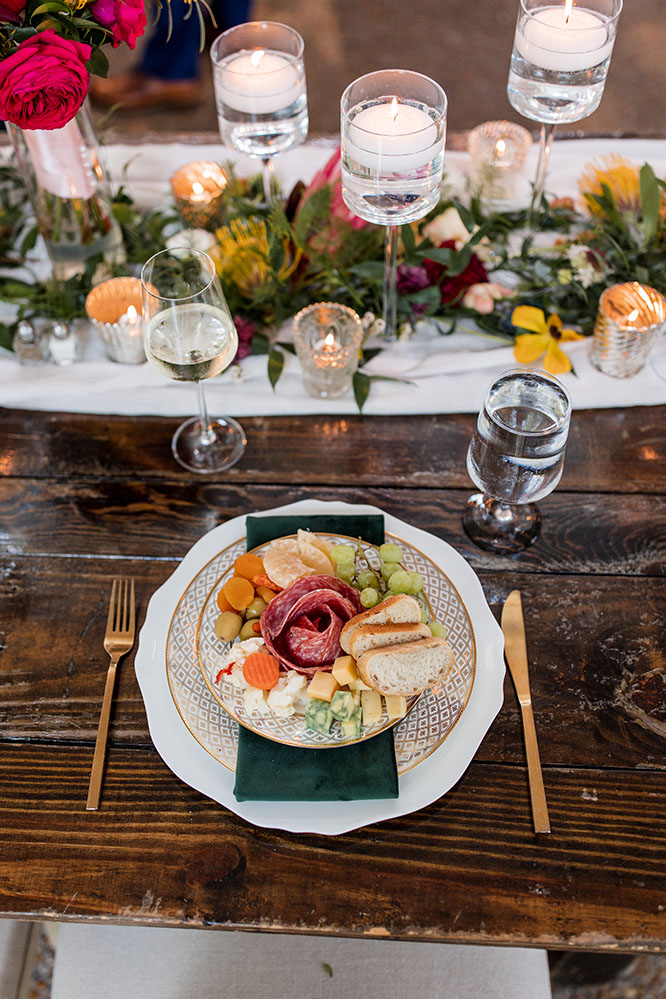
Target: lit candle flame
x,y
329,341
256,57
197,188
394,108
500,148
567,10
633,316
131,313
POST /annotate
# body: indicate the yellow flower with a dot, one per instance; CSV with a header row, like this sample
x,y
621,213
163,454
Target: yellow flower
x,y
618,174
242,257
545,338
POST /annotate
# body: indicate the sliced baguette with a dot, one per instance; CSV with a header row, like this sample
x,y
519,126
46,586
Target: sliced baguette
x,y
376,636
400,609
406,669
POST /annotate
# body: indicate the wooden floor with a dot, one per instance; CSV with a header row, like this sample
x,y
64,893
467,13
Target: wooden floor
x,y
463,44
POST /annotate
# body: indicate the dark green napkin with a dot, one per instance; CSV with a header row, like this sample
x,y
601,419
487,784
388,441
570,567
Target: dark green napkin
x,y
270,771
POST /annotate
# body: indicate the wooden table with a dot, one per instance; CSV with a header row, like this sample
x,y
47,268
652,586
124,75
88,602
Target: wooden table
x,y
86,498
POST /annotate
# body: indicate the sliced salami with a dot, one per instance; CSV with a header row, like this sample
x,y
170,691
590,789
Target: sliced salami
x,y
301,626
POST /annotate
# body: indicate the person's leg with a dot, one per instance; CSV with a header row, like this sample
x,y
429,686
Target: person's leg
x,y
172,51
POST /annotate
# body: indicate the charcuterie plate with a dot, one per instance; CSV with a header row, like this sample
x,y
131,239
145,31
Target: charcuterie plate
x,y
432,720
435,742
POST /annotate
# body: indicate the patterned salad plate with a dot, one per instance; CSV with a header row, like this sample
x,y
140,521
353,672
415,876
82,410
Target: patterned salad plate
x,y
194,722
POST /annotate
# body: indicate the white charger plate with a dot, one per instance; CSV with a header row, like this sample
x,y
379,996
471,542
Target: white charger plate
x,y
206,771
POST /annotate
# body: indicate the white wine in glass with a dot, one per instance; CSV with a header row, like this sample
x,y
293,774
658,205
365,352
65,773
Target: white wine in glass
x,y
189,335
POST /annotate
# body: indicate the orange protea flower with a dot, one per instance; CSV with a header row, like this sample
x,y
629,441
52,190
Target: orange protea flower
x,y
621,176
545,338
241,255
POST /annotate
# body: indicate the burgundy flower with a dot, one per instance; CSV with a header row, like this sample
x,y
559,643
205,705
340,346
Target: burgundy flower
x,y
44,82
12,11
125,18
410,279
451,287
245,330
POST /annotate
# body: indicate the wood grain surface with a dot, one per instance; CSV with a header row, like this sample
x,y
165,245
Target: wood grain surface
x,y
84,499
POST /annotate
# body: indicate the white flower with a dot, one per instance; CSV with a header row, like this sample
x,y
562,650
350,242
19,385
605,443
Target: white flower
x,y
447,226
237,373
584,271
197,239
405,331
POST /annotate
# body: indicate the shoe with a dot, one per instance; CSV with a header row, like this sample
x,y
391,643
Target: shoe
x,y
136,91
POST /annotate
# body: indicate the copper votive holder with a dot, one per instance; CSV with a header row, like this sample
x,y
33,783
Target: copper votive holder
x,y
629,318
114,308
198,189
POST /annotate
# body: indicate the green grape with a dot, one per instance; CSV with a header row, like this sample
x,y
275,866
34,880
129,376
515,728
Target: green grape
x,y
437,630
388,568
416,583
369,597
346,571
390,553
343,554
400,581
368,578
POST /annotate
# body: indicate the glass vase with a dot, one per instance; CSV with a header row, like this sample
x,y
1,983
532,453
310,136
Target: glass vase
x,y
66,182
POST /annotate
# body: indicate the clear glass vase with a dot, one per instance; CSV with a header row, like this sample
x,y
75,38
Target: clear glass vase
x,y
66,181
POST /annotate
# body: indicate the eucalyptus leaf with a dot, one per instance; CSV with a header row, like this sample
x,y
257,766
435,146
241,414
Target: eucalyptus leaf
x,y
361,385
275,365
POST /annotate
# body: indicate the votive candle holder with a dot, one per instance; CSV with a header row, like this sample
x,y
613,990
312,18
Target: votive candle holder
x,y
199,189
114,308
328,337
498,151
629,318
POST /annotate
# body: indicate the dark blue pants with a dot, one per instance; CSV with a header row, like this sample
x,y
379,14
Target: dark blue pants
x,y
178,58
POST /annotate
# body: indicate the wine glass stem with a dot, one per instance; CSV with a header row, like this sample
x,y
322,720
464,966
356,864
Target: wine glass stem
x,y
390,287
267,174
545,142
207,432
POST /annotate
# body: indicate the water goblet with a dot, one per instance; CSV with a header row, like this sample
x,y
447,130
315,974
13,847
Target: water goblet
x,y
561,54
189,335
259,80
393,129
516,457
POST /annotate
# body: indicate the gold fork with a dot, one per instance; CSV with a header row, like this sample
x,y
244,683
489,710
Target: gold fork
x,y
118,639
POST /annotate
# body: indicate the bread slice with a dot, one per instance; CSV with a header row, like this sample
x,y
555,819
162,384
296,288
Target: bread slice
x,y
399,609
376,636
406,669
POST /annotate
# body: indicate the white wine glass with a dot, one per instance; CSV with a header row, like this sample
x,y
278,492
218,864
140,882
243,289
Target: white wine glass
x,y
516,457
259,80
189,335
561,54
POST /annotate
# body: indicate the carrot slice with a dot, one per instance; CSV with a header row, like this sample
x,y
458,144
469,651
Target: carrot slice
x,y
239,592
261,670
248,565
222,602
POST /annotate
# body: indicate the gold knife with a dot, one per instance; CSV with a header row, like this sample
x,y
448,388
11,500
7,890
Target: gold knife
x,y
515,649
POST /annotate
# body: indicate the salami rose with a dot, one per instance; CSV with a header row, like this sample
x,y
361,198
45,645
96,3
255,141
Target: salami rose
x,y
301,625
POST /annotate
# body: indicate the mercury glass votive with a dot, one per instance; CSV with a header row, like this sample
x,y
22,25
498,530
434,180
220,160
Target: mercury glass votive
x,y
498,150
328,339
115,309
198,189
629,318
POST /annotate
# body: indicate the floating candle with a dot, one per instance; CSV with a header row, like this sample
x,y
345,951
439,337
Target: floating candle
x,y
388,136
259,82
564,38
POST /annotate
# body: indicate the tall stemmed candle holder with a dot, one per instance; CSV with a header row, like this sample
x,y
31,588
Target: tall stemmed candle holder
x,y
561,54
393,129
259,80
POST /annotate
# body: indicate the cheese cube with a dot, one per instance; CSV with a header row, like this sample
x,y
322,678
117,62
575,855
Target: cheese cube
x,y
323,685
371,702
344,670
396,705
358,685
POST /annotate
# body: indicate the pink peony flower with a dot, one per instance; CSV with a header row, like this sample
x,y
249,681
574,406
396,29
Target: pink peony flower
x,y
482,297
125,18
44,82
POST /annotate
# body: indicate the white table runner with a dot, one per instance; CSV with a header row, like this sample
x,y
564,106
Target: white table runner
x,y
442,374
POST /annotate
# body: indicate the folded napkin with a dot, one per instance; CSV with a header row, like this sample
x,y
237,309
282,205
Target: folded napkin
x,y
270,771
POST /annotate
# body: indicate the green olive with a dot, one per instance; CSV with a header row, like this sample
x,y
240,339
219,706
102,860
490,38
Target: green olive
x,y
247,631
228,625
255,609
